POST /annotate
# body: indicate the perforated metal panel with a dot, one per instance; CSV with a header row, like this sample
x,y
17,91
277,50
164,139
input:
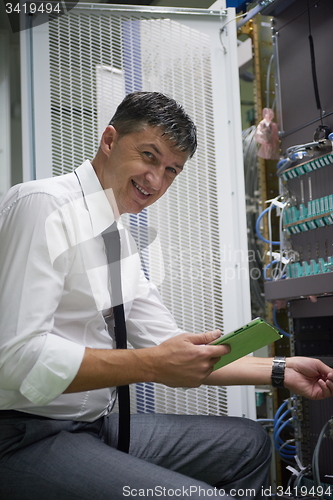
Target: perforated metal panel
x,y
94,56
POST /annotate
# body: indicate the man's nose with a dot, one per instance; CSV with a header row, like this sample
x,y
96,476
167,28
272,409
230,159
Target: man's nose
x,y
155,178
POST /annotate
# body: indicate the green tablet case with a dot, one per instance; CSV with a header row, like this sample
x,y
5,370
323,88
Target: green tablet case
x,y
252,336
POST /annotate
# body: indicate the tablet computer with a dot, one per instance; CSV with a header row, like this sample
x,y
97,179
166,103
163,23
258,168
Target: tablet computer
x,y
250,337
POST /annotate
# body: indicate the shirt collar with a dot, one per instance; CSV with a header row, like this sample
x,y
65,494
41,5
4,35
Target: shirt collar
x,y
99,207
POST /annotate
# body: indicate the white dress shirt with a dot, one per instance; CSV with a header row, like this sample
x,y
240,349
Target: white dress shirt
x,y
54,290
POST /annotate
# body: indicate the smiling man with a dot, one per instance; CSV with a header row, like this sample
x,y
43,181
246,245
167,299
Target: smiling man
x,y
59,369
138,167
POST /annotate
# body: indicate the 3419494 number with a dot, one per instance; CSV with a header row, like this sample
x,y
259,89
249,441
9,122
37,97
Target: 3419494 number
x,y
33,8
303,491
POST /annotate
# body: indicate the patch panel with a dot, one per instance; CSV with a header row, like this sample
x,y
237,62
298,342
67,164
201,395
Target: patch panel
x,y
307,167
317,213
299,269
306,220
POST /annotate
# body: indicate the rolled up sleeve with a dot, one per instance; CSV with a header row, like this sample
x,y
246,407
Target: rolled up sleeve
x,y
56,367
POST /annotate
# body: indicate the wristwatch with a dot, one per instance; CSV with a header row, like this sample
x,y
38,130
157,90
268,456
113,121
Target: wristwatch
x,y
278,368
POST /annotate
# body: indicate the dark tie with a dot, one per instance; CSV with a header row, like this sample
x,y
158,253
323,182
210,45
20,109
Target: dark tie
x,y
112,244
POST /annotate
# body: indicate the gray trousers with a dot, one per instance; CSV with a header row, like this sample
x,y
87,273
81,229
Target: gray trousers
x,y
170,456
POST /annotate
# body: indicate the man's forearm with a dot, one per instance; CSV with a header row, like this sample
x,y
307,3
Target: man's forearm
x,y
111,367
248,370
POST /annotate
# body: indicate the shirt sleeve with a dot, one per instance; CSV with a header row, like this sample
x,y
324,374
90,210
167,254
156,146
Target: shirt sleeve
x,y
149,322
33,360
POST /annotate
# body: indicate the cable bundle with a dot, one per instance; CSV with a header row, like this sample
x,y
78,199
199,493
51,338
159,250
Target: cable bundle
x,y
285,449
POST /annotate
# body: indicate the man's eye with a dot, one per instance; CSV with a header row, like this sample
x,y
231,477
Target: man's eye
x,y
148,154
172,170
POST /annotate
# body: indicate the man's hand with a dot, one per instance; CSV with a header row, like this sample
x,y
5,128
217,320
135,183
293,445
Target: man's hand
x,y
309,377
186,360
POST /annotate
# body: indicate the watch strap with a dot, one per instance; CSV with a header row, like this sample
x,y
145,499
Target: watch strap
x,y
278,369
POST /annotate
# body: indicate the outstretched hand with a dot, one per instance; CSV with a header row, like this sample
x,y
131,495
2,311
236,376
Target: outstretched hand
x,y
309,377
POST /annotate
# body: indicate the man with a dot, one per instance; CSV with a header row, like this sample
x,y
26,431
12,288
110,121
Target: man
x,y
58,369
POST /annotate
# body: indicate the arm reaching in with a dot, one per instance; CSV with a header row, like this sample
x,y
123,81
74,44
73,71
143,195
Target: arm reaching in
x,y
307,377
182,361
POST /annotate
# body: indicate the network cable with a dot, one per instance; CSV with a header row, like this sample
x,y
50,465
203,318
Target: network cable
x,y
285,449
275,321
269,266
260,236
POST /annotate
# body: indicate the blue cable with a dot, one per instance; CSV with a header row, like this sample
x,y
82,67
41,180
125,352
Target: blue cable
x,y
277,425
258,227
278,441
268,266
287,457
281,162
286,451
277,324
278,420
283,165
280,409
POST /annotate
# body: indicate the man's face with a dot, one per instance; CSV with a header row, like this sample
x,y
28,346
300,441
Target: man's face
x,y
140,167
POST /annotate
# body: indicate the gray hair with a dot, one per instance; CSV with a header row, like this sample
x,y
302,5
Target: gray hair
x,y
155,109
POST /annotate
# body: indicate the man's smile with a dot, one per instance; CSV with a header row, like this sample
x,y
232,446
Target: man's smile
x,y
140,189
